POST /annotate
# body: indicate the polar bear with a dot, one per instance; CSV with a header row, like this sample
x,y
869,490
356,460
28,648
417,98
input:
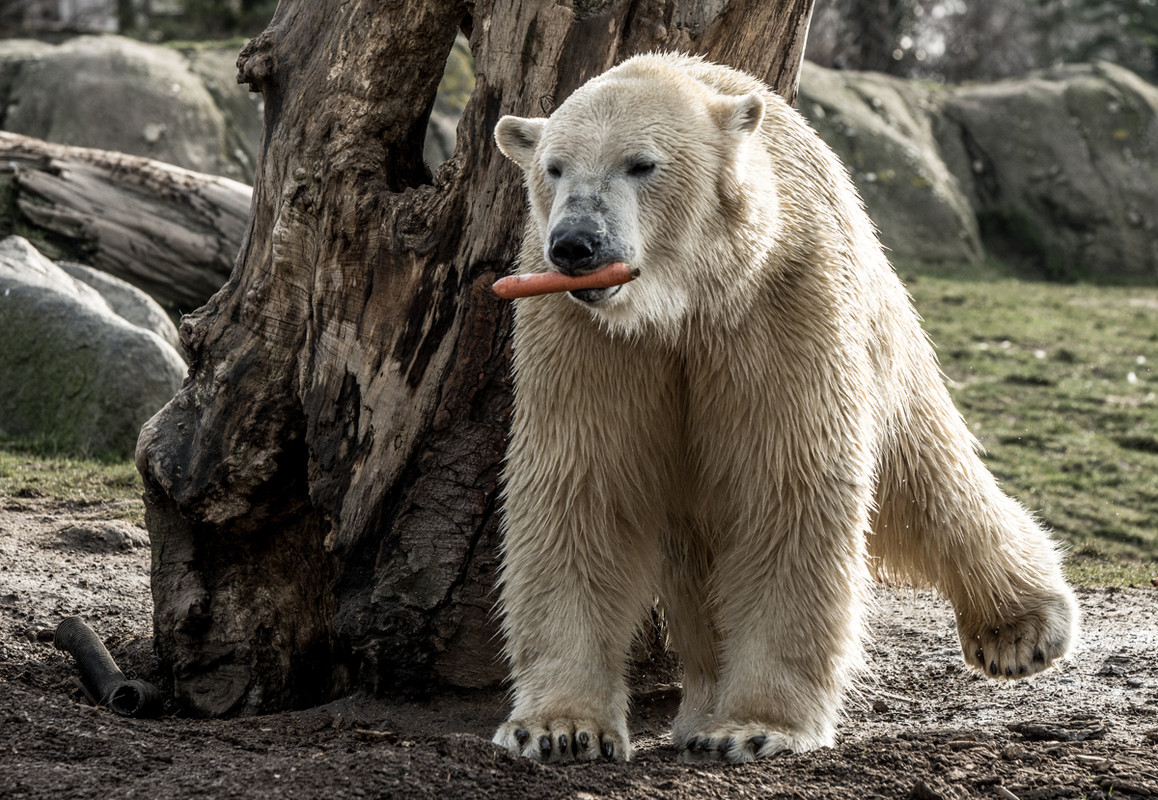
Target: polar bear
x,y
747,431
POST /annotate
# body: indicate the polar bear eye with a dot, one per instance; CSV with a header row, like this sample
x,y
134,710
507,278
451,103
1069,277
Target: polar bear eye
x,y
641,168
554,170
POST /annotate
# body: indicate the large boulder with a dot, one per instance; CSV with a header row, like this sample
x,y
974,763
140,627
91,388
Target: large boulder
x,y
113,93
1062,167
72,371
1055,174
126,301
242,110
885,131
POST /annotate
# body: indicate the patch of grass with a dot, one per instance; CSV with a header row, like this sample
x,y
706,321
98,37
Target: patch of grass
x,y
1060,385
34,471
987,269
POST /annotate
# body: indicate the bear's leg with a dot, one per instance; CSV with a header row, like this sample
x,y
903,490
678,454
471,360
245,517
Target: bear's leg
x,y
569,621
943,521
690,614
793,592
588,491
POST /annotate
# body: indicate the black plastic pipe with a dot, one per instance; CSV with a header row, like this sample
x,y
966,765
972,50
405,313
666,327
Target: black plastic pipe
x,y
103,681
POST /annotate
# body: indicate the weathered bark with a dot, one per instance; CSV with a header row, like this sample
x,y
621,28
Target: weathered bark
x,y
168,231
322,493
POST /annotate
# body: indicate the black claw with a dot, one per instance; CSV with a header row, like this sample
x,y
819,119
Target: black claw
x,y
521,736
757,741
697,745
582,739
725,745
1038,656
545,744
564,742
980,654
992,667
608,749
1021,669
1008,671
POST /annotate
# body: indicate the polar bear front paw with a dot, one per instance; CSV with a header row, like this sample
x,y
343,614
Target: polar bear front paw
x,y
563,740
1022,644
737,742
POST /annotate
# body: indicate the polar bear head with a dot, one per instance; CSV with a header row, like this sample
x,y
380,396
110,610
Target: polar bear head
x,y
650,165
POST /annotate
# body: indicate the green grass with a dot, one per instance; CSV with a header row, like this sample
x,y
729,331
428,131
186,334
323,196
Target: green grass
x,y
1040,371
31,471
1060,385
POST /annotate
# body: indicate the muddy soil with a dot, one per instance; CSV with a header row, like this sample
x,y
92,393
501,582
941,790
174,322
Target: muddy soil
x,y
923,727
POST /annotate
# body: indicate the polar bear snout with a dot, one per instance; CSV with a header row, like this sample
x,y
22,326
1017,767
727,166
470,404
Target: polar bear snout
x,y
574,247
581,245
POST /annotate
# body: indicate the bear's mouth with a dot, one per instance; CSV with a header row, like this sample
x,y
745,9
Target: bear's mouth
x,y
594,296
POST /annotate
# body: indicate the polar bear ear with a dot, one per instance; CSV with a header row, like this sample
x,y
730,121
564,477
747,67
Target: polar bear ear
x,y
741,115
518,137
739,118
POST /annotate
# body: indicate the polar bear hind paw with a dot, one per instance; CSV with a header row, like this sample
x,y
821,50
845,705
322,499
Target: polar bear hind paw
x,y
737,742
563,740
1023,644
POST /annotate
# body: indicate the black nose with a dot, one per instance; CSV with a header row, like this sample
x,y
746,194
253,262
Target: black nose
x,y
573,248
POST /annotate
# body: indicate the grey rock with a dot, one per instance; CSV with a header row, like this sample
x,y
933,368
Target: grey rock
x,y
127,301
242,110
884,129
114,93
1055,174
1062,169
72,371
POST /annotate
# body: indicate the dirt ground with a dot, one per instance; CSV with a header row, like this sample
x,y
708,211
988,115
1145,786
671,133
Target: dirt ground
x,y
922,727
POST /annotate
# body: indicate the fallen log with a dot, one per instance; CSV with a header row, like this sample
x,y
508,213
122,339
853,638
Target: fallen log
x,y
169,231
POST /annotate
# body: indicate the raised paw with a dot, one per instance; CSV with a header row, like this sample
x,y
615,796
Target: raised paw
x,y
563,740
1023,643
737,742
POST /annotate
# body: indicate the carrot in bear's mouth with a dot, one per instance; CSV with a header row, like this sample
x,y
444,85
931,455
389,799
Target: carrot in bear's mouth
x,y
514,286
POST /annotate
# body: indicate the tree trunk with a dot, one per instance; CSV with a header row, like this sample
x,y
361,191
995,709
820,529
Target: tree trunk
x,y
322,493
168,231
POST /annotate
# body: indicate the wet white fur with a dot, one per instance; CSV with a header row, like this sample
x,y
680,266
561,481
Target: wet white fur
x,y
746,431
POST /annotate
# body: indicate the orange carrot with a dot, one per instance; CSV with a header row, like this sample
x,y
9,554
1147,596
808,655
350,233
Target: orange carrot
x,y
538,283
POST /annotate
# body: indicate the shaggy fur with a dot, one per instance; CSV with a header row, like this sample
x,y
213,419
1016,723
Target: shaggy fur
x,y
745,431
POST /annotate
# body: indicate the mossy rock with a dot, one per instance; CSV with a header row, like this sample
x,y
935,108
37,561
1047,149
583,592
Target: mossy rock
x,y
1063,170
72,371
114,93
884,129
